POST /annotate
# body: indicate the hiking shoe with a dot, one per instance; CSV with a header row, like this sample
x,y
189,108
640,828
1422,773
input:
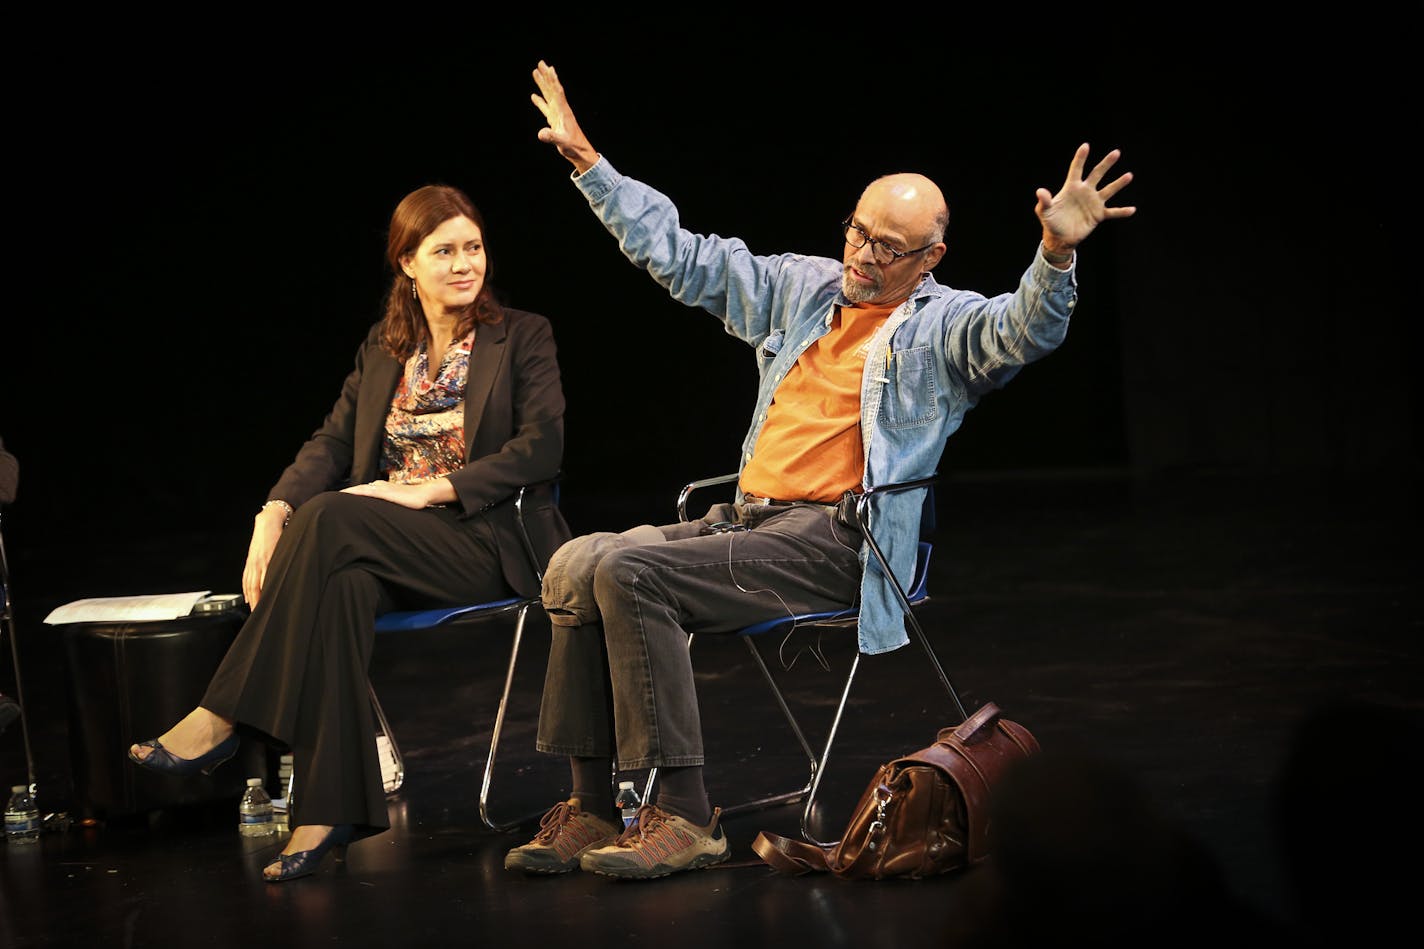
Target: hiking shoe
x,y
565,832
658,843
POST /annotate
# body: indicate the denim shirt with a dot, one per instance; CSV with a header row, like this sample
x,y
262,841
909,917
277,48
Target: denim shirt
x,y
931,361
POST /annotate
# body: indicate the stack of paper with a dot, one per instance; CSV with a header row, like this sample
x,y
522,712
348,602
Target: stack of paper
x,y
127,609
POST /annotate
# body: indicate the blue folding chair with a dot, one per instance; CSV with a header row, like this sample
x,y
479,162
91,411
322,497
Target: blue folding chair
x,y
848,618
407,620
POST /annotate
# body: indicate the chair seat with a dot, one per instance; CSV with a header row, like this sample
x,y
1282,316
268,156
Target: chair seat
x,y
424,619
800,619
918,594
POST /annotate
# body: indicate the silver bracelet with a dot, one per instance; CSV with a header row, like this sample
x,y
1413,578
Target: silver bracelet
x,y
287,518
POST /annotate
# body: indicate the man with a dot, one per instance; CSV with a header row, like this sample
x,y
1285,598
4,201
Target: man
x,y
866,367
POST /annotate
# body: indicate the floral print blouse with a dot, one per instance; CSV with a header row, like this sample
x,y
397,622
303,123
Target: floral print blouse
x,y
425,428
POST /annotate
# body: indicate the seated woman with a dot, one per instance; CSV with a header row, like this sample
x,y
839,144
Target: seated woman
x,y
402,499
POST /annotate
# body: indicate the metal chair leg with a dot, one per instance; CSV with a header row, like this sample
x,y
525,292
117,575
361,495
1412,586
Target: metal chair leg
x,y
788,797
825,757
494,736
389,746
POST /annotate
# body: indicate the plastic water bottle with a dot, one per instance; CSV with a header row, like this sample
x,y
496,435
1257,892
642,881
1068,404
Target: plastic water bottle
x,y
254,812
22,818
628,802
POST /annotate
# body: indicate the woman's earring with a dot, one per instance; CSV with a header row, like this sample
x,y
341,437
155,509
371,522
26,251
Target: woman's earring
x,y
412,290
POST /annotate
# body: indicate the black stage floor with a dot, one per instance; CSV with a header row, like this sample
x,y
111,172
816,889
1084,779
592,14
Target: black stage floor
x,y
1219,673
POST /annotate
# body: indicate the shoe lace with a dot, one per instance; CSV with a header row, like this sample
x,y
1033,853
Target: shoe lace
x,y
648,819
553,821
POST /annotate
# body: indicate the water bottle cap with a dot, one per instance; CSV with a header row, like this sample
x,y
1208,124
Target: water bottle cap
x,y
625,784
254,782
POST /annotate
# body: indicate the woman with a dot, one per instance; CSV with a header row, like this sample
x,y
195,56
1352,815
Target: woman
x,y
455,401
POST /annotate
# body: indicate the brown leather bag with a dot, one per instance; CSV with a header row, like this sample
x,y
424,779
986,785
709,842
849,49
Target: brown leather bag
x,y
922,814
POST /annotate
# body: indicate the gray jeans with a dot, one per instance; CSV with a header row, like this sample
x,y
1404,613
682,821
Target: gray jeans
x,y
619,678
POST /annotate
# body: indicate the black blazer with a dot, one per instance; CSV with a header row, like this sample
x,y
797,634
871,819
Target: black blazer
x,y
514,435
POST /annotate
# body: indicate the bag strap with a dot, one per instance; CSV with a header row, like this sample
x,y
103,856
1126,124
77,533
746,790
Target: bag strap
x,y
790,856
974,728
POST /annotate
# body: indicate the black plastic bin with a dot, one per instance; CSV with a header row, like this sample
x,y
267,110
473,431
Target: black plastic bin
x,y
131,681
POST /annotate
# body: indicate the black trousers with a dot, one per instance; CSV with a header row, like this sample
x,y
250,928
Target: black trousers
x,y
297,670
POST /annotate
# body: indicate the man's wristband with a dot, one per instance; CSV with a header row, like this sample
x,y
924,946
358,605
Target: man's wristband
x,y
1058,259
286,510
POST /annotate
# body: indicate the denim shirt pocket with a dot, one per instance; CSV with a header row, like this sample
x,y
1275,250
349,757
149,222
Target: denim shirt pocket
x,y
911,389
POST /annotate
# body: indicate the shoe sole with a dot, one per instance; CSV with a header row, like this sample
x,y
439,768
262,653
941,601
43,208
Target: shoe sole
x,y
531,864
656,873
545,869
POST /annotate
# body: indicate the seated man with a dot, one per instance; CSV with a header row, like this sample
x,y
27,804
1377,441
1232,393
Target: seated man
x,y
866,365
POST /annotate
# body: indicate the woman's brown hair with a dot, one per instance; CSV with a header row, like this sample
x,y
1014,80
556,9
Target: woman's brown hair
x,y
419,213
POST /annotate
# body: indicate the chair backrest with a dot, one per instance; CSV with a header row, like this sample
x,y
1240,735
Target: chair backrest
x,y
919,589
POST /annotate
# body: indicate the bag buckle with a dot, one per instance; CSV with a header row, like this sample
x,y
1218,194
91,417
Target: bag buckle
x,y
877,826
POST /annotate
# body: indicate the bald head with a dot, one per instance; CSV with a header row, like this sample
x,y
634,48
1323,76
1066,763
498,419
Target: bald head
x,y
912,202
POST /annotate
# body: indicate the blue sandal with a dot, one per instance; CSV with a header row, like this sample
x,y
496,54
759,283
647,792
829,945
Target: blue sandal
x,y
161,759
305,862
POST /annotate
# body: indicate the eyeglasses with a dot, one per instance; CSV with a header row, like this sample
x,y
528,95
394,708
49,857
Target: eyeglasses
x,y
881,251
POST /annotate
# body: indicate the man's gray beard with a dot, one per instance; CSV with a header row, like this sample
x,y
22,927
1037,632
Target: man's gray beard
x,y
859,292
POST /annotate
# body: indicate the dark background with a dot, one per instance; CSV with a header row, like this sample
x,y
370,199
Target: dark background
x,y
199,237
1168,540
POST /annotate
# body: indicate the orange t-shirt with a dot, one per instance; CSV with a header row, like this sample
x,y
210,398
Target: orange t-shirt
x,y
809,448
